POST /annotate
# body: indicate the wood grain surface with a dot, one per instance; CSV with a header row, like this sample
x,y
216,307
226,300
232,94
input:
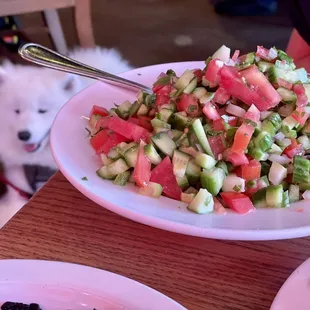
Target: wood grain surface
x,y
61,224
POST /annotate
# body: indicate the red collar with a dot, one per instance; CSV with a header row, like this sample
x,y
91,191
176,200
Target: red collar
x,y
4,180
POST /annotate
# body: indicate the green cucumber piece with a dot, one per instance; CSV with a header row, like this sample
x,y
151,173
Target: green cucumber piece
x,y
199,92
275,120
301,170
179,162
122,178
152,155
264,66
275,149
249,59
287,95
164,115
183,141
131,156
202,203
207,97
283,56
105,160
123,110
161,124
104,173
257,153
263,141
288,75
187,198
179,121
134,108
285,200
192,172
212,180
176,134
191,86
164,143
188,150
143,110
274,196
152,190
183,182
268,127
205,161
168,106
201,136
118,167
184,79
259,199
114,153
150,100
221,164
293,193
304,141
93,120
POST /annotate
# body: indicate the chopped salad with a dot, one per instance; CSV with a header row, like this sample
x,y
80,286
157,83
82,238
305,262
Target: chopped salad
x,y
233,135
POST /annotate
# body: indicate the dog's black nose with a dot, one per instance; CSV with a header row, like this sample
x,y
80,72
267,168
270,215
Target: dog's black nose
x,y
24,135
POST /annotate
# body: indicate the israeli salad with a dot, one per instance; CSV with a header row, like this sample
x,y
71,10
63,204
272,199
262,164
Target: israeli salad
x,y
233,135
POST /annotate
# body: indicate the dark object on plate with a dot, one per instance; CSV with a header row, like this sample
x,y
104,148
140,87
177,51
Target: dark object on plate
x,y
9,305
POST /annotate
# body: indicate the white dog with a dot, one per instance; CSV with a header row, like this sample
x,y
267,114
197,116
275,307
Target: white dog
x,y
30,98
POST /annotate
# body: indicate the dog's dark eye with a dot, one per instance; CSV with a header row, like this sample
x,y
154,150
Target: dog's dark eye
x,y
17,111
42,111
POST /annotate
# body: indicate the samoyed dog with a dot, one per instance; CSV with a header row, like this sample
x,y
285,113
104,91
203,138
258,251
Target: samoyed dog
x,y
30,98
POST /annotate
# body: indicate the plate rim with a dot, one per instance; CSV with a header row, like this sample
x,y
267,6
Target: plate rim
x,y
180,228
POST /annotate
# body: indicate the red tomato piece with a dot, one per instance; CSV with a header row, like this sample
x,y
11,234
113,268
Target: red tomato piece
x,y
242,138
221,96
235,159
103,122
285,84
128,130
251,171
238,202
264,53
99,111
210,111
199,74
106,139
252,114
302,99
300,115
218,207
235,55
218,125
293,149
133,120
163,95
233,120
163,174
217,144
142,171
189,104
212,72
145,122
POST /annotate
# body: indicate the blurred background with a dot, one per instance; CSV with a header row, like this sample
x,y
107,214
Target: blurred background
x,y
153,31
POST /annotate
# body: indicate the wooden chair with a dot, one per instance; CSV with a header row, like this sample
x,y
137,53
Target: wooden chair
x,y
82,13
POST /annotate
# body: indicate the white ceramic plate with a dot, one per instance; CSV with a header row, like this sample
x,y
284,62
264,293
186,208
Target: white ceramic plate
x,y
76,159
295,292
62,286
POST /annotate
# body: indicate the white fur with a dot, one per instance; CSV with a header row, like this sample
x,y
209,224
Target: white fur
x,y
30,89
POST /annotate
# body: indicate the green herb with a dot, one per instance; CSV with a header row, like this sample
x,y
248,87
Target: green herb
x,y
249,122
251,184
170,72
84,179
162,81
192,108
237,188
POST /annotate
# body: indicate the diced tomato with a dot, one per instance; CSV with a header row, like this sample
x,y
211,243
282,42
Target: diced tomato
x,y
235,55
256,80
238,202
106,139
251,171
133,120
163,95
218,125
199,74
142,171
232,121
264,54
99,111
145,122
128,130
221,96
300,115
189,104
212,72
163,174
285,84
293,149
252,114
242,138
217,144
302,99
210,111
235,159
218,207
222,111
103,122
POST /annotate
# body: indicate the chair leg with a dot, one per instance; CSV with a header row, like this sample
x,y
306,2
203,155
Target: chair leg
x,y
55,29
83,23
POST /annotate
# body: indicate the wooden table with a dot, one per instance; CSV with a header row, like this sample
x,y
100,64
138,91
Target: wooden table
x,y
61,224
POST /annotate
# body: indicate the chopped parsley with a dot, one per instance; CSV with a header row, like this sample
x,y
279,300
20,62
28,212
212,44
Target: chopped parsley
x,y
237,188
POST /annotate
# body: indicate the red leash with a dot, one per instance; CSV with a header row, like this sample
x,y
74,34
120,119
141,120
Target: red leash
x,y
4,180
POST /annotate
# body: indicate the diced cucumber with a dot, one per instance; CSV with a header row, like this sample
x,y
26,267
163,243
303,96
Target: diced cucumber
x,y
164,143
290,122
205,161
268,127
105,160
289,133
160,129
249,59
164,115
201,136
263,181
131,156
179,162
150,100
143,110
304,141
141,96
275,120
221,164
152,155
114,153
192,172
184,79
187,198
277,173
212,180
123,147
265,168
257,153
176,134
304,186
301,170
223,53
104,173
286,110
263,141
275,149
134,108
191,190
288,75
306,129
199,92
207,97
118,167
285,200
264,66
152,190
182,141
274,196
161,124
179,121
202,203
259,198
93,120
302,75
283,56
123,109
287,95
293,193
183,182
232,183
168,106
189,150
191,86
122,178
112,112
